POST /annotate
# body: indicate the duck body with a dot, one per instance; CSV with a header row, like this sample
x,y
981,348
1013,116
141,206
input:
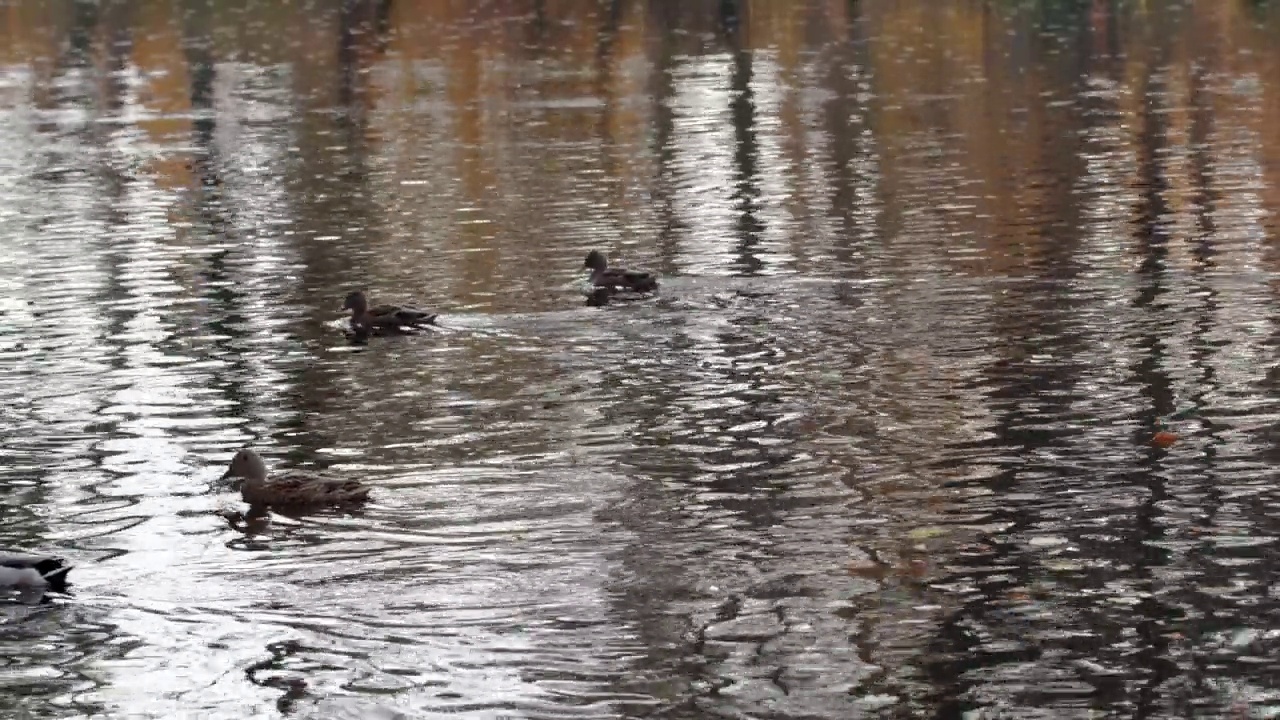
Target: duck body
x,y
616,278
293,489
32,571
383,319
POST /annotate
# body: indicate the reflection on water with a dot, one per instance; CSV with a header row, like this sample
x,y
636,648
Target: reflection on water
x,y
934,273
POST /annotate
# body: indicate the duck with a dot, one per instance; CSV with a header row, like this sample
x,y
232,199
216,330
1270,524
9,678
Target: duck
x,y
289,489
31,571
615,278
383,319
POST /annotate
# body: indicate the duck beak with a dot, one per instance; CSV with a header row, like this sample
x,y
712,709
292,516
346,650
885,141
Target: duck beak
x,y
236,481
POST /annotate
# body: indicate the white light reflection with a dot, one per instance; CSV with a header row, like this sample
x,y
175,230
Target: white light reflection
x,y
702,145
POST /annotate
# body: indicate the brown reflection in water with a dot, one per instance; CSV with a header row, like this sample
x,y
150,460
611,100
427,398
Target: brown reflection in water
x,y
466,154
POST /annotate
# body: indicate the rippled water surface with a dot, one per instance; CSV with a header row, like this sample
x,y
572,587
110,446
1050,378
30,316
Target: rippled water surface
x,y
934,274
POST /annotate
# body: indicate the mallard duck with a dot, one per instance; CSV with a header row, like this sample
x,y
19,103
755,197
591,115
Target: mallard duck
x,y
383,319
289,489
29,571
603,276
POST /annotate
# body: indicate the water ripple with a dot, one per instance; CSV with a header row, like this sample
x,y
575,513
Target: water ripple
x,y
881,445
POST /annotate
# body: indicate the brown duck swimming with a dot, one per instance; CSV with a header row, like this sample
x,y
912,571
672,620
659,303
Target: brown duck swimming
x,y
289,489
614,278
383,319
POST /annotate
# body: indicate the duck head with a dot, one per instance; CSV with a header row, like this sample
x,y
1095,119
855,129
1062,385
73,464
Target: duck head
x,y
246,465
595,261
356,302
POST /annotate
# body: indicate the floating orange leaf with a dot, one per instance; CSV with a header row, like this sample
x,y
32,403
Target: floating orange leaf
x,y
1164,439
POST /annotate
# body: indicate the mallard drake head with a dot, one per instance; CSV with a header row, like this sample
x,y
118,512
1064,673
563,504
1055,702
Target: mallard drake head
x,y
246,465
356,301
595,261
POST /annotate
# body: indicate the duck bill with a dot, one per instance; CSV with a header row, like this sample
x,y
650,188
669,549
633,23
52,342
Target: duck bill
x,y
235,483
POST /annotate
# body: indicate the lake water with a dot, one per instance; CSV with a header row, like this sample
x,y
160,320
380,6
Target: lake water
x,y
934,274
